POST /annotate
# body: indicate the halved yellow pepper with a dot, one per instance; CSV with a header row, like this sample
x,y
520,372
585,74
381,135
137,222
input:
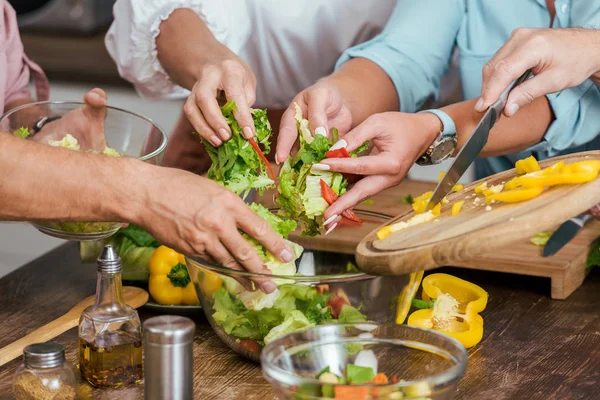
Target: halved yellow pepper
x,y
455,309
515,195
169,281
527,165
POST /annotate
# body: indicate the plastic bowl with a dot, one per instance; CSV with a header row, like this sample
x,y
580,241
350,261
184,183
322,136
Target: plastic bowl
x,y
427,364
379,299
128,133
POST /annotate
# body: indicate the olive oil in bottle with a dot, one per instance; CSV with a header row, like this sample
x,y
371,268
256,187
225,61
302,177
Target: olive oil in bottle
x,y
110,336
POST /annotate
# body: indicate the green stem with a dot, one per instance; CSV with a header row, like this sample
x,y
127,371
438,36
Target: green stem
x,y
421,304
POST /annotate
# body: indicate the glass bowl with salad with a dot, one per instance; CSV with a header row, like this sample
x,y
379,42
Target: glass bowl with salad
x,y
323,285
364,361
111,131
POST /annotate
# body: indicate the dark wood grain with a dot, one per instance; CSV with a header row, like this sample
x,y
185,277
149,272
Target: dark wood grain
x,y
533,347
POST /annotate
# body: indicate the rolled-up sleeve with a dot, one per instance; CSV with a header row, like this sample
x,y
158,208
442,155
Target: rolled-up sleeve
x,y
131,39
415,48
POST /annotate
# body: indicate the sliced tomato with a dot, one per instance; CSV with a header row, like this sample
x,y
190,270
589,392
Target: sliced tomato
x,y
330,197
338,153
262,157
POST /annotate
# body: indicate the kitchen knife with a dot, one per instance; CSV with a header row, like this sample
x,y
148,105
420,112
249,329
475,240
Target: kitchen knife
x,y
565,233
473,145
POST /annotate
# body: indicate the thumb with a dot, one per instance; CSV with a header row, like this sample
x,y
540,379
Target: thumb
x,y
95,98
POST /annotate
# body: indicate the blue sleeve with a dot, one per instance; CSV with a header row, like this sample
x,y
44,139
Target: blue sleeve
x,y
415,48
577,119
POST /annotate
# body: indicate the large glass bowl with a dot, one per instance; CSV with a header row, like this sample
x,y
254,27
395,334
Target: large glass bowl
x,y
324,268
128,133
427,364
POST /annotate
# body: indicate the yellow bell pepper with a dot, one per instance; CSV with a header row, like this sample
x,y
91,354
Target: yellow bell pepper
x,y
457,188
421,201
451,305
527,165
169,281
515,195
441,175
456,207
209,282
481,187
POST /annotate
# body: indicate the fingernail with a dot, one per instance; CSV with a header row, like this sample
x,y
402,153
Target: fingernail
x,y
215,141
320,167
512,109
286,256
341,144
276,159
321,131
330,229
247,132
479,105
268,287
224,134
331,219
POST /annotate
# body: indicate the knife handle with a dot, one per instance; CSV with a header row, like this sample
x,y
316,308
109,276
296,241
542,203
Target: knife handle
x,y
501,102
582,219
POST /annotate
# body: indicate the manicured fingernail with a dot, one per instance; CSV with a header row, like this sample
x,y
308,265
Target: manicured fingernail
x,y
321,131
320,167
268,287
215,141
286,256
247,132
277,159
512,109
331,219
330,229
479,105
341,144
224,134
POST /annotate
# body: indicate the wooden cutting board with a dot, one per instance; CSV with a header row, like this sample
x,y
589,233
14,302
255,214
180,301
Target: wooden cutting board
x,y
510,249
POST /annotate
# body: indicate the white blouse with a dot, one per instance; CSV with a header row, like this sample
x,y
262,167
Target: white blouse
x,y
288,44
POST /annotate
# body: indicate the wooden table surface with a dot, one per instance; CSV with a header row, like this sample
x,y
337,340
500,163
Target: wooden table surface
x,y
533,347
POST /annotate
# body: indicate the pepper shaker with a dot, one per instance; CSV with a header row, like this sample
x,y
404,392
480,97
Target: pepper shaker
x,y
169,359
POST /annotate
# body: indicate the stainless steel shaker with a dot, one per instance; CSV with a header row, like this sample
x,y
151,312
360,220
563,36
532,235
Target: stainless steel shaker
x,y
168,358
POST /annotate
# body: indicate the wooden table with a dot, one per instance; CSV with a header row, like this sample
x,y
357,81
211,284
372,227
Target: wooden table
x,y
533,348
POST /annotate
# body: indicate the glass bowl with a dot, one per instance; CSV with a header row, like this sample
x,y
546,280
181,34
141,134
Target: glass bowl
x,y
128,133
245,323
425,364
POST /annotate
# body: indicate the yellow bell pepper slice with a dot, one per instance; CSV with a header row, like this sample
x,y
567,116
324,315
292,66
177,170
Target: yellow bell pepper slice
x,y
456,207
437,209
408,293
169,282
455,309
515,195
558,179
457,188
527,165
481,187
421,201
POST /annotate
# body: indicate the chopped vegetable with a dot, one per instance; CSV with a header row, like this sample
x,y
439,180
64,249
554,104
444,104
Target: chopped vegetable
x,y
481,187
541,238
415,220
22,132
408,199
359,375
330,197
515,195
456,207
527,165
457,188
593,259
350,267
338,153
239,164
369,202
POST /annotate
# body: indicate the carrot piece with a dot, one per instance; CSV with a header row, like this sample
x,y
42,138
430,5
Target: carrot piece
x,y
262,157
380,379
351,392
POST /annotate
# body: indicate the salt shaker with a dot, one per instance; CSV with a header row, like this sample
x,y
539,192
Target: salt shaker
x,y
169,359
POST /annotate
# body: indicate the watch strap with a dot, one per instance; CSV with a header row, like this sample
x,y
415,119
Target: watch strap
x,y
448,126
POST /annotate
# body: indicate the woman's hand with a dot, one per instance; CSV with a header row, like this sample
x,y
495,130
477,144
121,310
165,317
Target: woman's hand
x,y
559,58
595,211
397,139
198,217
322,104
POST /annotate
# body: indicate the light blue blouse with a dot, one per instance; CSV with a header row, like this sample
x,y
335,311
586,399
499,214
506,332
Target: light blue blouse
x,y
416,46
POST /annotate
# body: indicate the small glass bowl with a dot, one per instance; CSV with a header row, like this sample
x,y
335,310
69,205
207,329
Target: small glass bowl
x,y
128,133
427,364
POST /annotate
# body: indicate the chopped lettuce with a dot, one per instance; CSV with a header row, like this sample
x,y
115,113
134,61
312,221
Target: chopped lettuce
x,y
235,164
359,375
593,259
67,142
294,321
350,314
22,132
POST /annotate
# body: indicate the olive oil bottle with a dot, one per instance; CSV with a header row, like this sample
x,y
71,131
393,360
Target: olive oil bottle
x,y
110,335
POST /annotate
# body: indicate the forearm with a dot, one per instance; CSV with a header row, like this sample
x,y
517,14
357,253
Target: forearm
x,y
185,43
509,135
39,182
365,88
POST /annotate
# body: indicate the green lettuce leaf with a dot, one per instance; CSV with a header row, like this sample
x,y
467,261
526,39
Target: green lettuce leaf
x,y
349,314
593,259
294,321
359,375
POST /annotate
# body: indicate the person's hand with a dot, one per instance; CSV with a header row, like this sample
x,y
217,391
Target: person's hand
x,y
398,140
86,123
323,106
595,211
559,59
221,71
198,217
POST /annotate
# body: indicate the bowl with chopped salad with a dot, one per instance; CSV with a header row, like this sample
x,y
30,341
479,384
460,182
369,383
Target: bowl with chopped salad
x,y
319,287
364,361
107,131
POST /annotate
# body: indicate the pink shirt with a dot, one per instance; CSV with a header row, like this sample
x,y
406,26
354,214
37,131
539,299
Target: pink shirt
x,y
15,68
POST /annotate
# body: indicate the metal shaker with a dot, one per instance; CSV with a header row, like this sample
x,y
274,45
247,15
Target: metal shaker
x,y
169,360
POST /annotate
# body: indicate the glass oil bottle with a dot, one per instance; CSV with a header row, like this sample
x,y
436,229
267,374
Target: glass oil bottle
x,y
110,334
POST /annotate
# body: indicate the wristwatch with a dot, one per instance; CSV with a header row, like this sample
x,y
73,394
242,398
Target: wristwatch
x,y
41,122
444,145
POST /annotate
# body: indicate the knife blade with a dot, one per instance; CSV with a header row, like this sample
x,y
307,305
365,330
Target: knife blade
x,y
565,233
473,145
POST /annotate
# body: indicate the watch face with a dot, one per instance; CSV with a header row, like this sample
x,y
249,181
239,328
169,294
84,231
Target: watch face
x,y
443,150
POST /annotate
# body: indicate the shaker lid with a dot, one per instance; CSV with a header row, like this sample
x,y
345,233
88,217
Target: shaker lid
x,y
169,329
43,355
109,261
